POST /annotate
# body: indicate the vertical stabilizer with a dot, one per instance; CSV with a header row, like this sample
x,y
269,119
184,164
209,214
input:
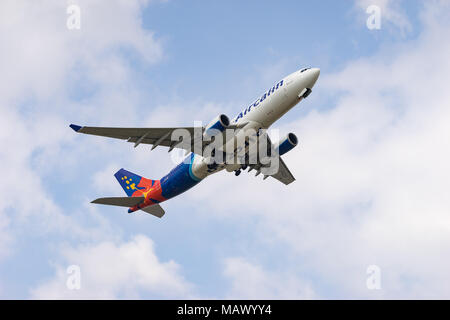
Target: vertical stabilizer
x,y
133,184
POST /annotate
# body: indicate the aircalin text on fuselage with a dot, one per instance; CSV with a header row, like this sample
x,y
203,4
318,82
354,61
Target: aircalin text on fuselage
x,y
258,101
146,194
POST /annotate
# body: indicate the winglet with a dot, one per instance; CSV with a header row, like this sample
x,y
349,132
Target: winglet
x,y
75,127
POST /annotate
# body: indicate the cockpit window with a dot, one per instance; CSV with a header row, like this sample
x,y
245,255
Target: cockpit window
x,y
304,70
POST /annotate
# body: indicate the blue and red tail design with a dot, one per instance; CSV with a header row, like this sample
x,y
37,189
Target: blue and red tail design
x,y
133,184
175,182
143,194
146,194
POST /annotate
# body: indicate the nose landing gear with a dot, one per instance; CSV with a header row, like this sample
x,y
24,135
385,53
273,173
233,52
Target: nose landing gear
x,y
307,93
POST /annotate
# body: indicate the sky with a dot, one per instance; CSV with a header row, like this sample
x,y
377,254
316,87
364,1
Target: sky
x,y
371,166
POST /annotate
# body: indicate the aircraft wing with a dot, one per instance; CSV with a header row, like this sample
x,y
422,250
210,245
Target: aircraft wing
x,y
152,136
283,174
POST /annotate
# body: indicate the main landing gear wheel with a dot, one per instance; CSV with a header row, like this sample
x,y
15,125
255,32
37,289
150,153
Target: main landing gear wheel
x,y
237,172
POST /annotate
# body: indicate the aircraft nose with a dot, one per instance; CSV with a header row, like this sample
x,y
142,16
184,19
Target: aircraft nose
x,y
313,75
315,72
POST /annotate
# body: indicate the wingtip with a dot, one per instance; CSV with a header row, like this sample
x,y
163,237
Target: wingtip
x,y
75,127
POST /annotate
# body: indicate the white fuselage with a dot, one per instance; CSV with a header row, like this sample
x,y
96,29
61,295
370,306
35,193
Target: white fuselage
x,y
263,112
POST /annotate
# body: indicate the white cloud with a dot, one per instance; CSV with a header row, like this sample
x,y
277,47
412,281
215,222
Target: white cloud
x,y
43,64
5,237
250,281
45,52
104,180
41,60
392,13
116,270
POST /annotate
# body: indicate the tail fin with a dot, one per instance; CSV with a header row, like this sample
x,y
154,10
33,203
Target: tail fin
x,y
133,184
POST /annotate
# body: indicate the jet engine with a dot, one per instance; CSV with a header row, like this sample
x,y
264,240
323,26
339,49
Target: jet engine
x,y
217,125
287,144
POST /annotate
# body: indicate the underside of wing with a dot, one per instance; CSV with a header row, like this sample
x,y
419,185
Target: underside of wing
x,y
152,136
283,175
281,172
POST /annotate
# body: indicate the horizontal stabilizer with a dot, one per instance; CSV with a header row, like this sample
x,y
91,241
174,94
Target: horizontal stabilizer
x,y
120,201
155,210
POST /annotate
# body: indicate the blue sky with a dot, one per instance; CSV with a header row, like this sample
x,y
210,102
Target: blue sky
x,y
365,194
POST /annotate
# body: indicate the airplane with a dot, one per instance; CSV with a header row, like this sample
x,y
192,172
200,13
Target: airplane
x,y
147,194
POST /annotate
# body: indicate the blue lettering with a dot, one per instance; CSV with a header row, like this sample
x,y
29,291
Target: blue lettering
x,y
248,109
263,97
257,102
279,84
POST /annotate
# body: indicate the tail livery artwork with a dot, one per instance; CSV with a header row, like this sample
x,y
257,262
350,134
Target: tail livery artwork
x,y
209,142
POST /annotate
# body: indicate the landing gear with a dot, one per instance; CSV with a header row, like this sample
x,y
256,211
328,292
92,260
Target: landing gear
x,y
307,93
212,166
237,172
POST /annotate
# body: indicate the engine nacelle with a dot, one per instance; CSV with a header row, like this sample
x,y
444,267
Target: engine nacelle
x,y
218,124
287,144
